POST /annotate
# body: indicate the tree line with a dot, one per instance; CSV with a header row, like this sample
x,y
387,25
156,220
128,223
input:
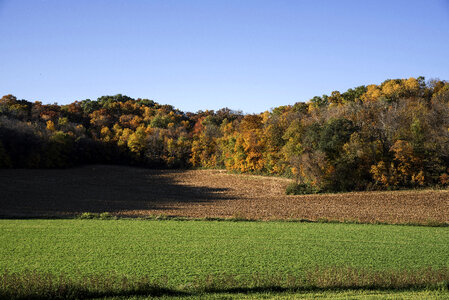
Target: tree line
x,y
391,135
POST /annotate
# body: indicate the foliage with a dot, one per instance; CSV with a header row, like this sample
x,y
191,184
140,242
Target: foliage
x,y
386,136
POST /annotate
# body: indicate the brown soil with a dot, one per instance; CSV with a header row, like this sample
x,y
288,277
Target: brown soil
x,y
138,192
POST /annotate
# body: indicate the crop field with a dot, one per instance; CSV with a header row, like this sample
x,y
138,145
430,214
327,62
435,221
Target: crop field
x,y
138,192
385,295
220,255
48,251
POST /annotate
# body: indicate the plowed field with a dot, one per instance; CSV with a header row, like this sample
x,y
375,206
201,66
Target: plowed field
x,y
138,192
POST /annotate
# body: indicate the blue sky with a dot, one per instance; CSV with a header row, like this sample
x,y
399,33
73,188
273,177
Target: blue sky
x,y
197,55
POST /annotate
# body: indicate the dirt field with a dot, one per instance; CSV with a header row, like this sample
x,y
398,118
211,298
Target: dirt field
x,y
134,192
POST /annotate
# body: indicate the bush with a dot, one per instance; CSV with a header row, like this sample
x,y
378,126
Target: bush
x,y
301,189
87,215
102,216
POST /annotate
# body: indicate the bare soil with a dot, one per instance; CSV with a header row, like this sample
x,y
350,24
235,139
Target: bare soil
x,y
139,192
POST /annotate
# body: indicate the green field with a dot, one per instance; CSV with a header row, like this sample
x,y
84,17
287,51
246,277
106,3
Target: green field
x,y
341,295
180,255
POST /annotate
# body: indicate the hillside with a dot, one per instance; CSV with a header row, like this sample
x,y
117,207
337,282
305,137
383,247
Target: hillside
x,y
373,137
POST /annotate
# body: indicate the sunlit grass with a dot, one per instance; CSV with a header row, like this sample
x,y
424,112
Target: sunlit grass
x,y
171,257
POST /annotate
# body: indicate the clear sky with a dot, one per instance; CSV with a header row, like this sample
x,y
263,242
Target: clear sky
x,y
250,55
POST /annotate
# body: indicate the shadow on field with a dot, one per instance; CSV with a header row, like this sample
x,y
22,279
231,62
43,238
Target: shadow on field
x,y
76,292
64,193
34,285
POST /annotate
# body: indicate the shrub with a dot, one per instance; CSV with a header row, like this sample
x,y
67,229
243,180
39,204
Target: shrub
x,y
102,216
106,216
301,189
87,215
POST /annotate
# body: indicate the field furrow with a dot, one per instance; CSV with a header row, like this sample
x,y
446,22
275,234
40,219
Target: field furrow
x,y
138,192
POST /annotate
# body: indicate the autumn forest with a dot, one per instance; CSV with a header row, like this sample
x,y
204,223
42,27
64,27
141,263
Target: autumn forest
x,y
387,136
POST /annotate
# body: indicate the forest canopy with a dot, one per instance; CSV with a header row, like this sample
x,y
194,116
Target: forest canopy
x,y
391,135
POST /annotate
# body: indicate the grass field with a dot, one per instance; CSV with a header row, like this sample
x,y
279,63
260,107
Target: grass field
x,y
198,255
130,258
342,295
